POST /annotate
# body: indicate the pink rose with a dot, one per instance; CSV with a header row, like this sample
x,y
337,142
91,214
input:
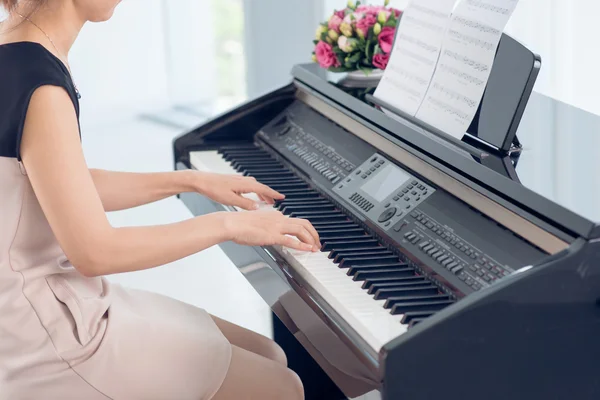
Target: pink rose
x,y
341,14
381,60
325,55
373,10
365,23
386,39
397,12
334,23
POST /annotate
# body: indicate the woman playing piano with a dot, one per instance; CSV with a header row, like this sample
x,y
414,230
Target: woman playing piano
x,y
65,331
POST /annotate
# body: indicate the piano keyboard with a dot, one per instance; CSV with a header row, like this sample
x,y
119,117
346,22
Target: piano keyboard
x,y
368,285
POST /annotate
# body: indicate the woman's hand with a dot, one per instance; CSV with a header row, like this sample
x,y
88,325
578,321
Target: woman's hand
x,y
228,189
266,228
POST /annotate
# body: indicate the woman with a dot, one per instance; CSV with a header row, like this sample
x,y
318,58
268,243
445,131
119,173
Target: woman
x,y
65,332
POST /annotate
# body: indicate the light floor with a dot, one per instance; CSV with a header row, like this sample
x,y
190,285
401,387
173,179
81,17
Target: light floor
x,y
207,279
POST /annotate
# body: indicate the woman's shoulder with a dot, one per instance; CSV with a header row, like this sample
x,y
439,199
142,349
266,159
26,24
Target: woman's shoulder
x,y
29,62
25,67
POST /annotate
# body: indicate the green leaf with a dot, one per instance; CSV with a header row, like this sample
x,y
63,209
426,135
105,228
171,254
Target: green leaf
x,y
338,69
365,70
355,57
315,42
377,49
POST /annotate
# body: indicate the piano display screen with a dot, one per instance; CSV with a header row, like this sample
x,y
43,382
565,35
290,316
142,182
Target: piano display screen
x,y
385,182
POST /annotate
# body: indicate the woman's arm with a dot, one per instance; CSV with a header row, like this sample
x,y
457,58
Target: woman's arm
x,y
123,190
53,157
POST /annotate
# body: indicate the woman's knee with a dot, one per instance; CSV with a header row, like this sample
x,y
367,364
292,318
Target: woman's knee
x,y
274,352
294,386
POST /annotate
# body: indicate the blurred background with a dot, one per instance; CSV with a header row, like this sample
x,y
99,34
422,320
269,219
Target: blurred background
x,y
160,67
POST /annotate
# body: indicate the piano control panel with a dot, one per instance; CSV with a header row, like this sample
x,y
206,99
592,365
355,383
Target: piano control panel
x,y
437,232
383,191
322,157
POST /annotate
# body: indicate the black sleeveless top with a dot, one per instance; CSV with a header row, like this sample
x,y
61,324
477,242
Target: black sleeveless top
x,y
24,67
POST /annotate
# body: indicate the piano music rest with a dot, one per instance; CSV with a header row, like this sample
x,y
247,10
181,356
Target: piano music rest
x,y
438,277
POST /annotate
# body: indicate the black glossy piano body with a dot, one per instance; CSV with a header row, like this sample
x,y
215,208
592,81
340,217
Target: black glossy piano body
x,y
525,315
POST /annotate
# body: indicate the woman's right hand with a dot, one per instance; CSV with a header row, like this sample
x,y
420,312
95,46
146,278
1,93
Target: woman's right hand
x,y
266,228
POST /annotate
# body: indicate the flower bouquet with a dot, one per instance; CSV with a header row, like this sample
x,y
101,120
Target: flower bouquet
x,y
357,38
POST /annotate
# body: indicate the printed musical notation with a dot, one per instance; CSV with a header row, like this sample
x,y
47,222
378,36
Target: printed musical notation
x,y
415,54
465,63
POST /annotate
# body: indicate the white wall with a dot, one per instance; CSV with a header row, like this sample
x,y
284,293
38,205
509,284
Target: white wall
x,y
120,66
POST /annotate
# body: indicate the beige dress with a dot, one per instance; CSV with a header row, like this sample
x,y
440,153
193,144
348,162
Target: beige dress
x,y
65,336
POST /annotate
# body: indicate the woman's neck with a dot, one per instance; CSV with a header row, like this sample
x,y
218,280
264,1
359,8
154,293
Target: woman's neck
x,y
56,25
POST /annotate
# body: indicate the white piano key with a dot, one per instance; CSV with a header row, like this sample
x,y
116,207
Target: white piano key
x,y
365,315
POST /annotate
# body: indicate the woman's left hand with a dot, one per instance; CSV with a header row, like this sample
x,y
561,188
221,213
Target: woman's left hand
x,y
228,189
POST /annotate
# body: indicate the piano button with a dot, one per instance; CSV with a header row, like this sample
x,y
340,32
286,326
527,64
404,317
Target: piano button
x,y
372,169
452,265
409,316
376,253
343,243
442,258
378,165
428,248
480,273
378,273
380,260
372,285
334,253
462,276
457,269
424,244
425,306
447,262
437,254
432,250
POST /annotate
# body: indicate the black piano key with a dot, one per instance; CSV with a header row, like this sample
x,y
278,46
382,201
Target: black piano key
x,y
413,292
412,298
308,208
335,225
282,181
257,164
234,156
322,218
342,243
262,177
377,253
353,270
381,260
360,250
409,281
317,213
379,273
307,195
409,316
328,233
280,204
434,306
261,171
291,186
372,285
415,321
292,192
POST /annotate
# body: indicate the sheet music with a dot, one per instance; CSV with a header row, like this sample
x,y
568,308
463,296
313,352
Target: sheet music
x,y
415,54
465,63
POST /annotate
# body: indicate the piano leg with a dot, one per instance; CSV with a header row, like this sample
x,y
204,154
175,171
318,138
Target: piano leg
x,y
317,385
